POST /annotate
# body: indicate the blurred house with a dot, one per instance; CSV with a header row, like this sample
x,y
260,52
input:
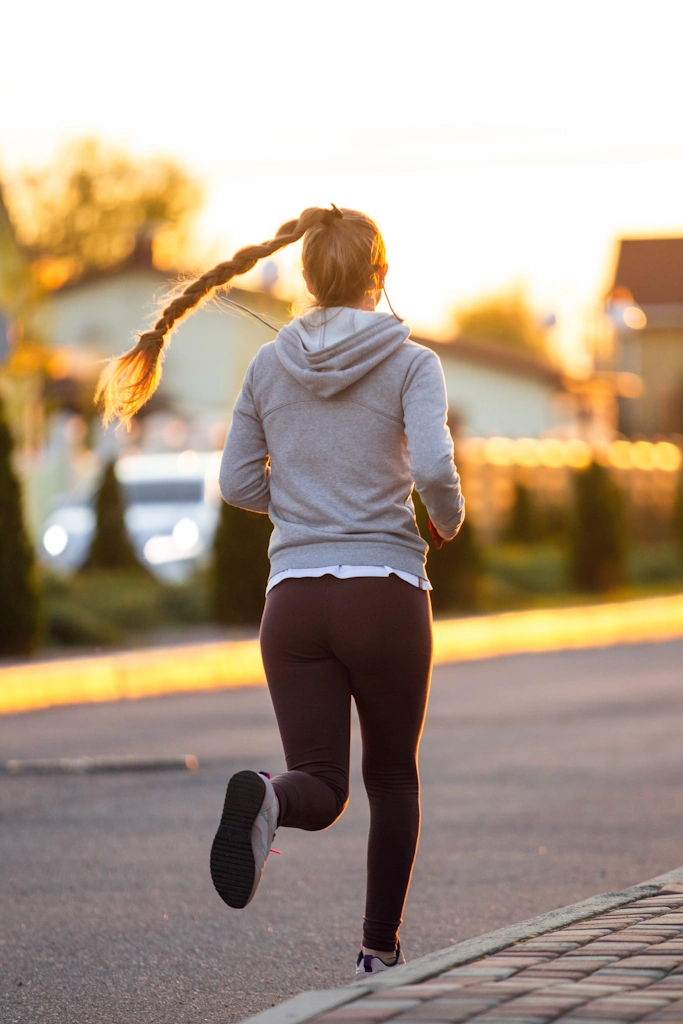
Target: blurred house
x,y
645,305
497,390
101,314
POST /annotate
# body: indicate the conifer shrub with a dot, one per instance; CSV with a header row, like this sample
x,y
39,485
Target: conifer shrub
x,y
240,568
456,570
111,546
598,539
524,525
678,516
19,597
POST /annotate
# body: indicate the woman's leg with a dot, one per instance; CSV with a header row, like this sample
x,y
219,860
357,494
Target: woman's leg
x,y
383,636
311,696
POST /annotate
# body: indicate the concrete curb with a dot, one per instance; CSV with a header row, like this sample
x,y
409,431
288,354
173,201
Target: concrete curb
x,y
310,1004
91,765
129,675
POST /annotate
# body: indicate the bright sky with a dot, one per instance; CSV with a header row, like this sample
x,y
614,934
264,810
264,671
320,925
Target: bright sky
x,y
494,142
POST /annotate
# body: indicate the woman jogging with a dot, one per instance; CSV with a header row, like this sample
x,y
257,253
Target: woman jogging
x,y
336,421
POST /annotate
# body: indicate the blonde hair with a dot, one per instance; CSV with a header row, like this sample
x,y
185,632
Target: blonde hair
x,y
343,258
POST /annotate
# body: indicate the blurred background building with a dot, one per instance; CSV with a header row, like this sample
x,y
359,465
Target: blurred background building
x,y
496,390
645,305
99,315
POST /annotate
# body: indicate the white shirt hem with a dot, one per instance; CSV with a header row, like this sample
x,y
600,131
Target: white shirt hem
x,y
347,572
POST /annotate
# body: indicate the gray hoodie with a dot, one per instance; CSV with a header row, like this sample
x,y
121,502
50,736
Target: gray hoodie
x,y
336,420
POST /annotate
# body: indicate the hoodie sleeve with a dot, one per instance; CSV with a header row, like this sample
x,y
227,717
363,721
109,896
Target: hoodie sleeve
x,y
430,446
244,476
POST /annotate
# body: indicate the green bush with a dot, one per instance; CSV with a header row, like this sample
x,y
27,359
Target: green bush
x,y
19,597
114,607
239,573
456,570
652,564
598,539
74,622
111,546
527,570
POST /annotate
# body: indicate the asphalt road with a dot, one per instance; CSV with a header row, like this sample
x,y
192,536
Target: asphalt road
x,y
546,779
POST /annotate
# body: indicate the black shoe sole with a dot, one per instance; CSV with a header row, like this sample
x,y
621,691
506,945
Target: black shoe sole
x,y
232,858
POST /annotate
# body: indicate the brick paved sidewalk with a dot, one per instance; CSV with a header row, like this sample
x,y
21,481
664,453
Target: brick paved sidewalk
x,y
621,966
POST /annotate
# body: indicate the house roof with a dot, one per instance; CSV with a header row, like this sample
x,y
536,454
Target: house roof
x,y
493,355
140,258
651,269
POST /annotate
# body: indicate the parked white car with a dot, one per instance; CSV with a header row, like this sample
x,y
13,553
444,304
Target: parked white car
x,y
172,505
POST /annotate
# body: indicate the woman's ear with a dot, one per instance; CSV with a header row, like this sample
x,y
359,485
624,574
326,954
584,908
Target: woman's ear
x,y
383,274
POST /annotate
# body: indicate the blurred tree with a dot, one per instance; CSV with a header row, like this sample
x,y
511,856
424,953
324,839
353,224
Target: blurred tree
x,y
456,570
87,210
240,569
17,288
19,602
506,318
22,359
598,535
111,546
524,525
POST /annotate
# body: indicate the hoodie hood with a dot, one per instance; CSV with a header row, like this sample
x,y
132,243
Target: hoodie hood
x,y
328,350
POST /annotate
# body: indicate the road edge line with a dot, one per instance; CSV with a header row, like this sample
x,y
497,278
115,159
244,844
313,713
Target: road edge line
x,y
307,1005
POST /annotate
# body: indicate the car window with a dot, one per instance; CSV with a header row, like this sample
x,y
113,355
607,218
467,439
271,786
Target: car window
x,y
147,492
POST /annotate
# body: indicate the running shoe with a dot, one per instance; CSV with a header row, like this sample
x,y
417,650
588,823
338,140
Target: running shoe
x,y
370,964
242,843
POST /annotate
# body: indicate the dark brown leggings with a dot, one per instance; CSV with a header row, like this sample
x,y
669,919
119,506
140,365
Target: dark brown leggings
x,y
325,641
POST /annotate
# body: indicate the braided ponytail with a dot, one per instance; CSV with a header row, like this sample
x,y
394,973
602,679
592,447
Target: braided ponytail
x,y
130,380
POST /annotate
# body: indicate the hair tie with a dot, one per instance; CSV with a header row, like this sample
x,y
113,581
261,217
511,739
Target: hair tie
x,y
330,216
